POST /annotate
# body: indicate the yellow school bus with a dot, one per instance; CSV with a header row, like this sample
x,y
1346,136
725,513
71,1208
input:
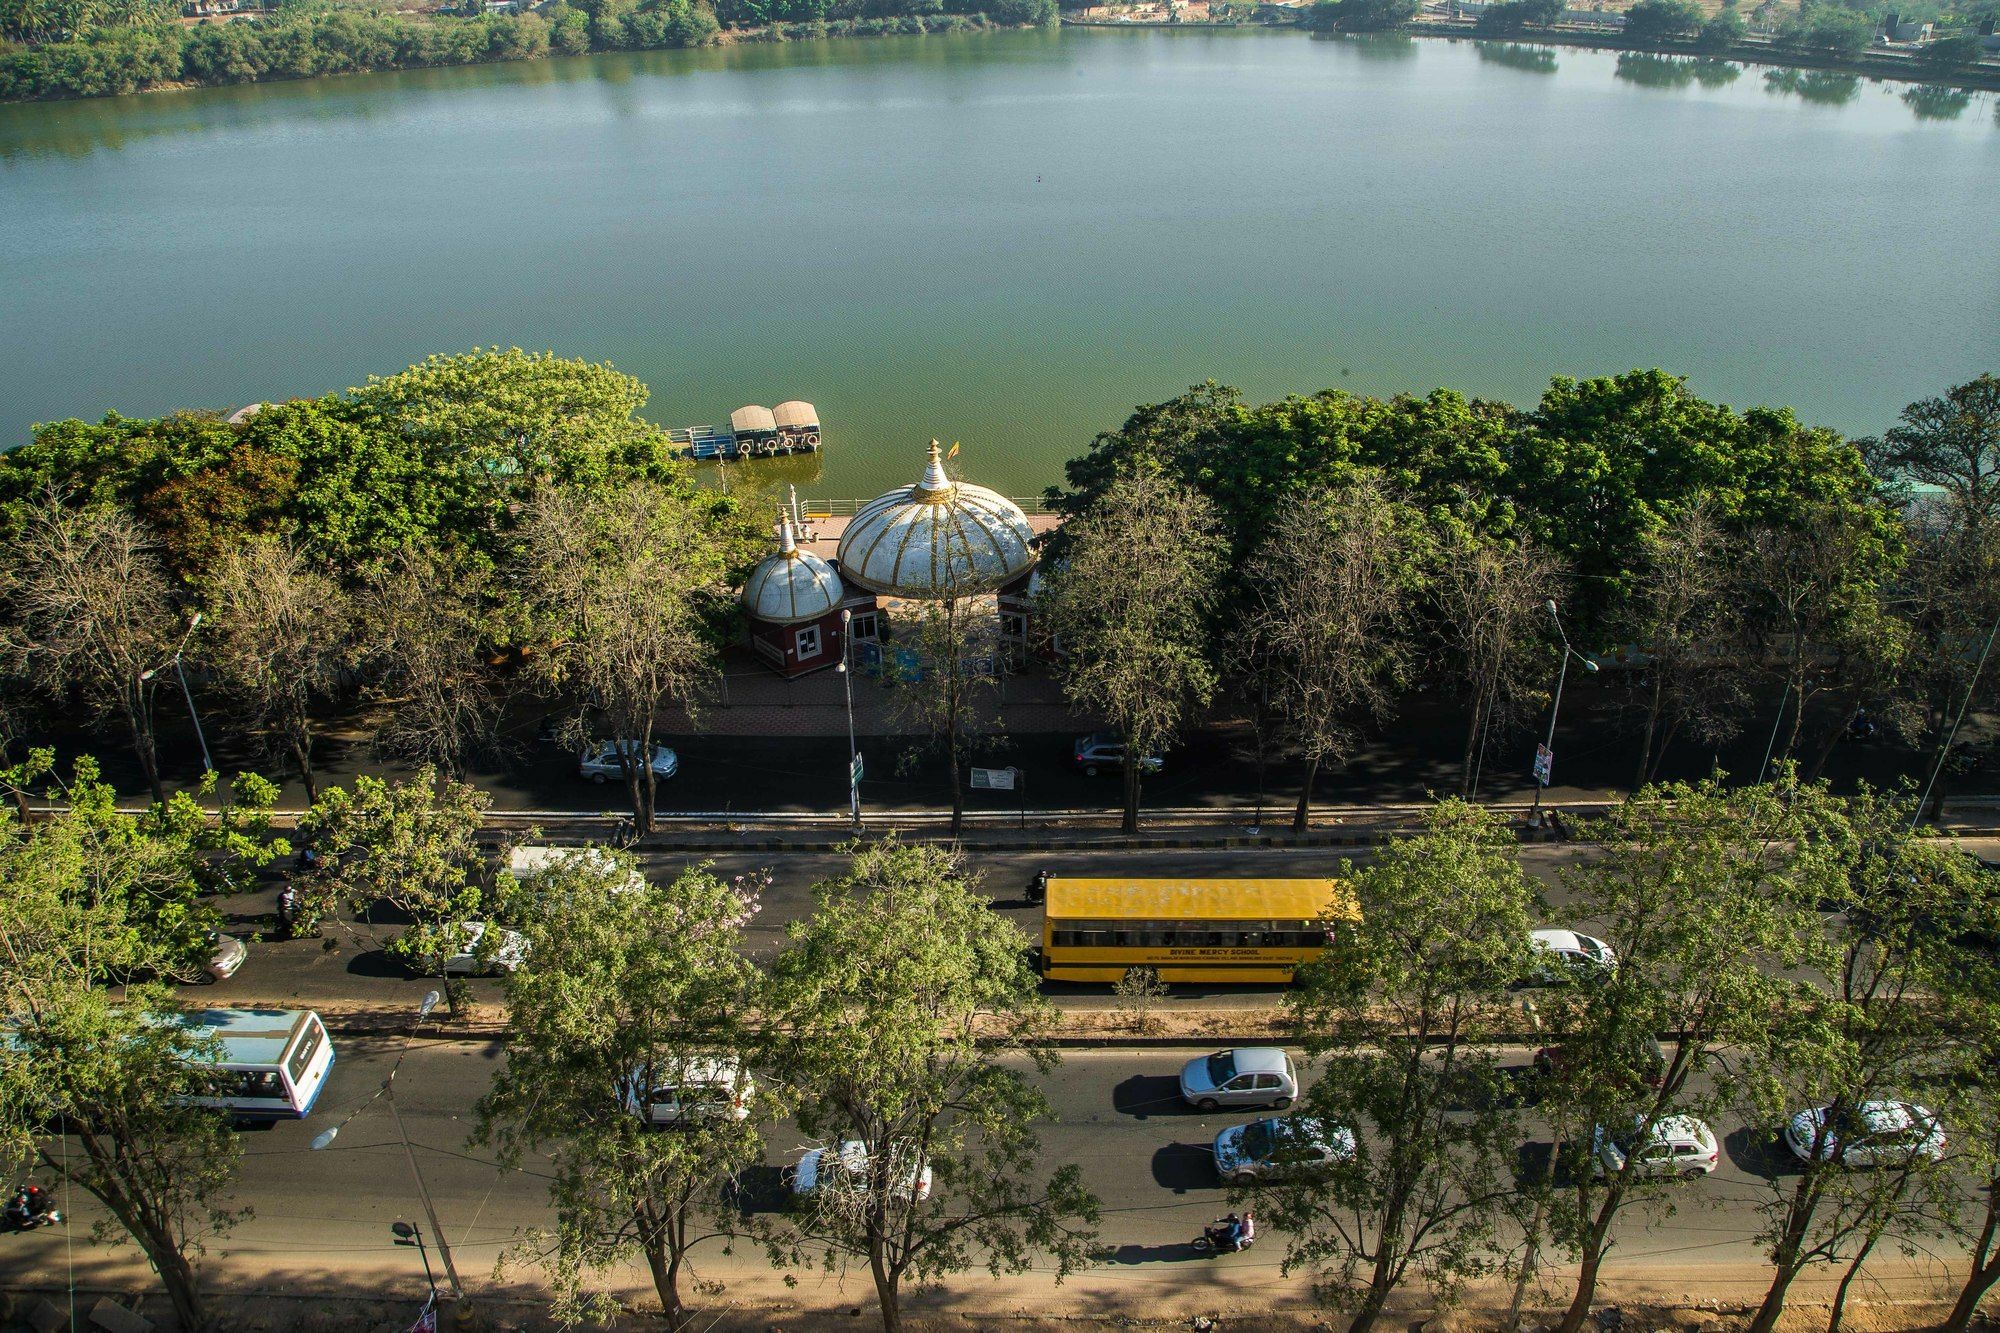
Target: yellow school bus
x,y
1226,930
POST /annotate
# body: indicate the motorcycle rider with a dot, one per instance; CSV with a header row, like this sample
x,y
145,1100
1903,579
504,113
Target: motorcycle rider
x,y
1231,1234
30,1206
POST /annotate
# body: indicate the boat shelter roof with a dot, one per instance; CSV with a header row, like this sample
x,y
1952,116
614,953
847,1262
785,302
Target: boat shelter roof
x,y
751,420
796,414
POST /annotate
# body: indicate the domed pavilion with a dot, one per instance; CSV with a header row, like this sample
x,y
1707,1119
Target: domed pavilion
x,y
794,600
936,539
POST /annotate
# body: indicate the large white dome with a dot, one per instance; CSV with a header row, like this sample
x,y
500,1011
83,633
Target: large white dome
x,y
792,585
938,538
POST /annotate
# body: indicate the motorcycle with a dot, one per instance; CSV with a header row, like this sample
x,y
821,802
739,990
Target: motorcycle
x,y
1038,887
29,1207
1227,1235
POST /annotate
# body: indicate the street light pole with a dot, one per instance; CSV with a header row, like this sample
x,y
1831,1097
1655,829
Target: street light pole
x,y
388,1090
207,765
1562,674
847,683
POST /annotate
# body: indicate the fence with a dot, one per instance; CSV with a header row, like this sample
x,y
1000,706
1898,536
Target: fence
x,y
846,508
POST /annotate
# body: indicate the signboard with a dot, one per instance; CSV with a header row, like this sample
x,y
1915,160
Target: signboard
x,y
1545,762
993,779
854,770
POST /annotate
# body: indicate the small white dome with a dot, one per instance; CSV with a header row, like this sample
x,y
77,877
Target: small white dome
x,y
792,585
937,538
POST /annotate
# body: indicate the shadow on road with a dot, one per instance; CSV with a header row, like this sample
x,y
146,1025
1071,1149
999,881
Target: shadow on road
x,y
1756,1150
1152,1254
1181,1167
1144,1095
761,1189
1532,1161
379,963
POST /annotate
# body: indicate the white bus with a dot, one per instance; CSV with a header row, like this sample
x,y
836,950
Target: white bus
x,y
277,1060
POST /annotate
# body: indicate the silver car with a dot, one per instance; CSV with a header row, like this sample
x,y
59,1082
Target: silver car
x,y
226,955
1275,1149
479,956
1245,1076
704,1088
845,1170
600,761
1870,1134
1679,1145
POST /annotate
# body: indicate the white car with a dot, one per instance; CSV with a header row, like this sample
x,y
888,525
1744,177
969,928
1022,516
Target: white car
x,y
1563,955
670,1093
847,1169
1872,1134
226,955
1276,1148
601,761
1244,1076
529,860
507,951
1678,1145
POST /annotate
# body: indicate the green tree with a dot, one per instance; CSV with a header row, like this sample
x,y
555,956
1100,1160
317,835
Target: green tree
x,y
631,585
897,1006
1866,1036
432,612
1698,889
1830,29
1663,20
1723,31
1397,1016
1329,590
117,1070
1129,594
412,844
1950,442
1361,15
1683,621
1949,54
1971,990
623,988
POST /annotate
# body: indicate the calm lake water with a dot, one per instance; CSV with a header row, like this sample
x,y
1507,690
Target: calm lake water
x,y
1008,239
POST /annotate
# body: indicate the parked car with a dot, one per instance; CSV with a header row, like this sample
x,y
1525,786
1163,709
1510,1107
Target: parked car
x,y
670,1093
506,951
527,861
1105,751
1647,1062
1563,956
847,1168
601,761
1277,1148
1877,1133
226,955
1245,1076
1677,1145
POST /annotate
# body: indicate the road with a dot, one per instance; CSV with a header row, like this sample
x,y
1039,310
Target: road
x,y
323,1217
349,963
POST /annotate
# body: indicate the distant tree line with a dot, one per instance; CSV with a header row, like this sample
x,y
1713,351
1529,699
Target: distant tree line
x,y
111,48
1371,549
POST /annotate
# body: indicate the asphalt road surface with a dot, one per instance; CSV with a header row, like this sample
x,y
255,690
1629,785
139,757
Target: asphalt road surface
x,y
321,1214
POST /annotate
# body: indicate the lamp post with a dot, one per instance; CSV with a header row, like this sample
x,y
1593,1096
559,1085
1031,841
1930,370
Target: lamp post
x,y
388,1089
206,765
1562,674
847,683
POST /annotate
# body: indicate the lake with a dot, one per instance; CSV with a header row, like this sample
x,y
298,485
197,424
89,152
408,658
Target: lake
x,y
1009,239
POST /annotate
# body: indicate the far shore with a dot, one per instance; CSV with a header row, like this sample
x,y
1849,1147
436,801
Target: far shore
x,y
1880,65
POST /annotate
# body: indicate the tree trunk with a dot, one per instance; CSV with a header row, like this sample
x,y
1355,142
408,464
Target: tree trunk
x,y
1302,815
1985,1268
887,1293
1839,1309
666,1270
142,747
302,755
1471,743
1369,1310
1132,774
1646,740
649,794
164,1252
1586,1279
957,789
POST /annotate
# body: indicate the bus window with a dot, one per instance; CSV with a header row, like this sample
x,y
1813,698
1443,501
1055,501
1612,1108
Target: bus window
x,y
259,1083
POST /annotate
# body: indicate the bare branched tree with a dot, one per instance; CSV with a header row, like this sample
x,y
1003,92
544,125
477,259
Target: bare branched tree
x,y
427,612
96,617
282,633
1489,608
950,694
623,579
1327,611
1685,623
1129,597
